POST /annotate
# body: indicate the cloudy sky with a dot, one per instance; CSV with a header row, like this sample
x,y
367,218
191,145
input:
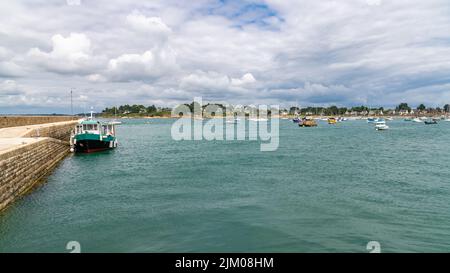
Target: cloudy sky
x,y
286,52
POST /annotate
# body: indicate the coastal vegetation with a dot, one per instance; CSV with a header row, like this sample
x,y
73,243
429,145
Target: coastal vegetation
x,y
136,110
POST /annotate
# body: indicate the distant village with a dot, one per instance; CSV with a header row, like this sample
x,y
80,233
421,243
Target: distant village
x,y
403,109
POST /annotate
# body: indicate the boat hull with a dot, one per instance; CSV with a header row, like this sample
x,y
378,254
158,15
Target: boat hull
x,y
91,146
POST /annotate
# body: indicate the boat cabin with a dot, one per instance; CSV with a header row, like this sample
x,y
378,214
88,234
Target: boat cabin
x,y
95,127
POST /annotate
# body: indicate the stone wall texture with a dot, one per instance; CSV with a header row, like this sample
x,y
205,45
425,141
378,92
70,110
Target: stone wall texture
x,y
24,167
57,131
15,121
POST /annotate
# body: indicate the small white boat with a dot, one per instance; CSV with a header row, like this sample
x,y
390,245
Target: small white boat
x,y
381,125
233,121
258,119
115,122
418,120
447,119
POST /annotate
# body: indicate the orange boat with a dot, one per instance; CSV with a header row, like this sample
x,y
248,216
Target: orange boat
x,y
306,122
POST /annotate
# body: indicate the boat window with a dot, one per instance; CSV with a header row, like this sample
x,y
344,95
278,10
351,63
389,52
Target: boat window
x,y
90,127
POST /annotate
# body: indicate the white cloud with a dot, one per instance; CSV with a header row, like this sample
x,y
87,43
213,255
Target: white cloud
x,y
96,78
69,55
216,85
141,23
4,53
244,80
154,63
8,68
73,2
10,88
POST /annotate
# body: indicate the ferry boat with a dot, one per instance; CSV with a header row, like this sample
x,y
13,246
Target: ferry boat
x,y
93,136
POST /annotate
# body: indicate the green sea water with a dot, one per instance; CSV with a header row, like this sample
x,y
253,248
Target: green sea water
x,y
326,189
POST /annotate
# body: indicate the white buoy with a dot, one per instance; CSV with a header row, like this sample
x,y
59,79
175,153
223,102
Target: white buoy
x,y
72,150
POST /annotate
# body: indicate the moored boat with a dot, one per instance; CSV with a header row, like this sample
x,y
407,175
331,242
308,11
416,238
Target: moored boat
x,y
93,136
332,121
307,122
430,122
374,120
381,125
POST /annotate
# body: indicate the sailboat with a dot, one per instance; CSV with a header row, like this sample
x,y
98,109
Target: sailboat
x,y
115,121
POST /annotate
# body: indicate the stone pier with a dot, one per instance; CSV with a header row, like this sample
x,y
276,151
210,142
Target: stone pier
x,y
28,153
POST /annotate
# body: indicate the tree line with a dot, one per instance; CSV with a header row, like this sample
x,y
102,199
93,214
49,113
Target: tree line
x,y
136,110
152,110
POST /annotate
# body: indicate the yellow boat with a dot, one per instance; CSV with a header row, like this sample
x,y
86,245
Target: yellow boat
x,y
332,121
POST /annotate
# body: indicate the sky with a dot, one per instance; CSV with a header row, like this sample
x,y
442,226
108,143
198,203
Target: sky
x,y
282,52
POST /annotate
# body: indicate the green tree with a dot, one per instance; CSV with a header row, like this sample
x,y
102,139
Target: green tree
x,y
403,107
421,107
447,108
293,110
151,109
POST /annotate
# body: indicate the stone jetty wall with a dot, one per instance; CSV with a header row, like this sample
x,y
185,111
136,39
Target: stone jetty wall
x,y
29,153
57,131
24,167
15,121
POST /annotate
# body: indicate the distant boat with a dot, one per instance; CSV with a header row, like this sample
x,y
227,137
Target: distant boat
x,y
115,122
374,120
332,121
418,120
428,122
233,121
296,120
258,119
381,125
407,119
307,122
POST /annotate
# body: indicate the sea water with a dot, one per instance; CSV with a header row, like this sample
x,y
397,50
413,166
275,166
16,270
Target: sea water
x,y
332,188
